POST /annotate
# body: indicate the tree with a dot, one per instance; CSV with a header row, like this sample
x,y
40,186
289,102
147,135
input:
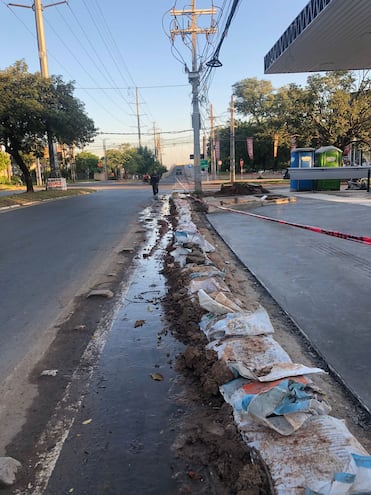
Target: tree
x,y
4,163
32,105
86,163
133,160
149,162
339,108
333,109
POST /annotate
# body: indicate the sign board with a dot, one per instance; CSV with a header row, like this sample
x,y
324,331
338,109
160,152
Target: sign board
x,y
192,156
58,183
204,164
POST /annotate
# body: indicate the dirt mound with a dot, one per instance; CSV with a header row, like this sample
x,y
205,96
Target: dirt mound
x,y
241,188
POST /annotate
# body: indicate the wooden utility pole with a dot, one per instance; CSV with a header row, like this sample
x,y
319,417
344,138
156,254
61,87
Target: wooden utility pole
x,y
232,159
194,77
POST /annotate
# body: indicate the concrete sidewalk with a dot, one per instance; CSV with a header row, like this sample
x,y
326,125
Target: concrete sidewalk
x,y
323,283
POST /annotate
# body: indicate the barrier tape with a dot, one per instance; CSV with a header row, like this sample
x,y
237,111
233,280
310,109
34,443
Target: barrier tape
x,y
318,230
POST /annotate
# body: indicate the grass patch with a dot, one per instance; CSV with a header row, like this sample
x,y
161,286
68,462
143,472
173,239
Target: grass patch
x,y
31,197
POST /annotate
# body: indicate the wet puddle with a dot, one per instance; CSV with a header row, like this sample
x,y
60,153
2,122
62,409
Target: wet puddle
x,y
121,440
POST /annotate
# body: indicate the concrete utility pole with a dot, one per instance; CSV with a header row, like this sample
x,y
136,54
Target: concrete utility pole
x,y
105,159
232,159
155,140
37,7
138,117
194,77
212,143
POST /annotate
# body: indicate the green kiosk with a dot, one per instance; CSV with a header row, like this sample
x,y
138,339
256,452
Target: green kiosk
x,y
328,156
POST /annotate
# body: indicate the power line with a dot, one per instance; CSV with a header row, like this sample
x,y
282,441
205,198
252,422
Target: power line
x,y
141,87
145,133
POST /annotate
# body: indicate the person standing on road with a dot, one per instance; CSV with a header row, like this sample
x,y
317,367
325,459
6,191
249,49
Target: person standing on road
x,y
154,180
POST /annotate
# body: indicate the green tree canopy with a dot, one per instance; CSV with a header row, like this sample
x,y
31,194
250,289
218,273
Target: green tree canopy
x,y
86,162
133,160
332,109
30,106
4,162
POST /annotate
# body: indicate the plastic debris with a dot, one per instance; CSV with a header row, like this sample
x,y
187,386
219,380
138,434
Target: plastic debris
x,y
9,468
179,254
194,237
250,356
285,407
49,373
322,446
355,480
209,304
203,271
237,324
208,284
221,298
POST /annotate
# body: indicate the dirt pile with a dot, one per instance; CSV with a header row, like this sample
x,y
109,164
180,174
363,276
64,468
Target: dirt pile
x,y
241,188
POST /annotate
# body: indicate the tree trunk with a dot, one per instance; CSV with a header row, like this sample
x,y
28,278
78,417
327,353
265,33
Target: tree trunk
x,y
26,173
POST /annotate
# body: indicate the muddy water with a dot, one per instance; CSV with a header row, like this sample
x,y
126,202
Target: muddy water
x,y
121,440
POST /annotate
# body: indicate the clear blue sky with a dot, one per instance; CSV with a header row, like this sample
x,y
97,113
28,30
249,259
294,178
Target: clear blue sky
x,y
111,47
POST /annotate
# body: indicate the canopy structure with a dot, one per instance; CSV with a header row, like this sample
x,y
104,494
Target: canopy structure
x,y
326,35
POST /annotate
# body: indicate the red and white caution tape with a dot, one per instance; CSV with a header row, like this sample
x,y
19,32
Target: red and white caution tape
x,y
319,230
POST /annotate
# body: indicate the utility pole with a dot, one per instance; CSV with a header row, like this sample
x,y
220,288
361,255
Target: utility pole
x,y
37,7
232,161
212,143
194,77
155,139
105,159
138,117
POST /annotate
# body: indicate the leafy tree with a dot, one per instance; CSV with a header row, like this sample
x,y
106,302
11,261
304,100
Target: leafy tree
x,y
86,163
149,162
333,109
133,160
4,162
254,99
339,109
32,105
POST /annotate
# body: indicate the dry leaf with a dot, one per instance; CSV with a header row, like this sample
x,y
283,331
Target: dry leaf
x,y
87,421
157,376
139,323
193,475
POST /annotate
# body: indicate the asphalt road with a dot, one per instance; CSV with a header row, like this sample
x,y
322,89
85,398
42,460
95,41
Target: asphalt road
x,y
322,282
48,252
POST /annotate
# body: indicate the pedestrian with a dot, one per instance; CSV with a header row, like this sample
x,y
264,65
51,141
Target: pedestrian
x,y
154,180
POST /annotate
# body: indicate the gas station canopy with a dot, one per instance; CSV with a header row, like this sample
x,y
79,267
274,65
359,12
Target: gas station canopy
x,y
327,35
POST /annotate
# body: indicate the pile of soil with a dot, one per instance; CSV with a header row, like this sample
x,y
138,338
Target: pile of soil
x,y
241,188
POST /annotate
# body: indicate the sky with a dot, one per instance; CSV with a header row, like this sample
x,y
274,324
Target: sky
x,y
125,68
